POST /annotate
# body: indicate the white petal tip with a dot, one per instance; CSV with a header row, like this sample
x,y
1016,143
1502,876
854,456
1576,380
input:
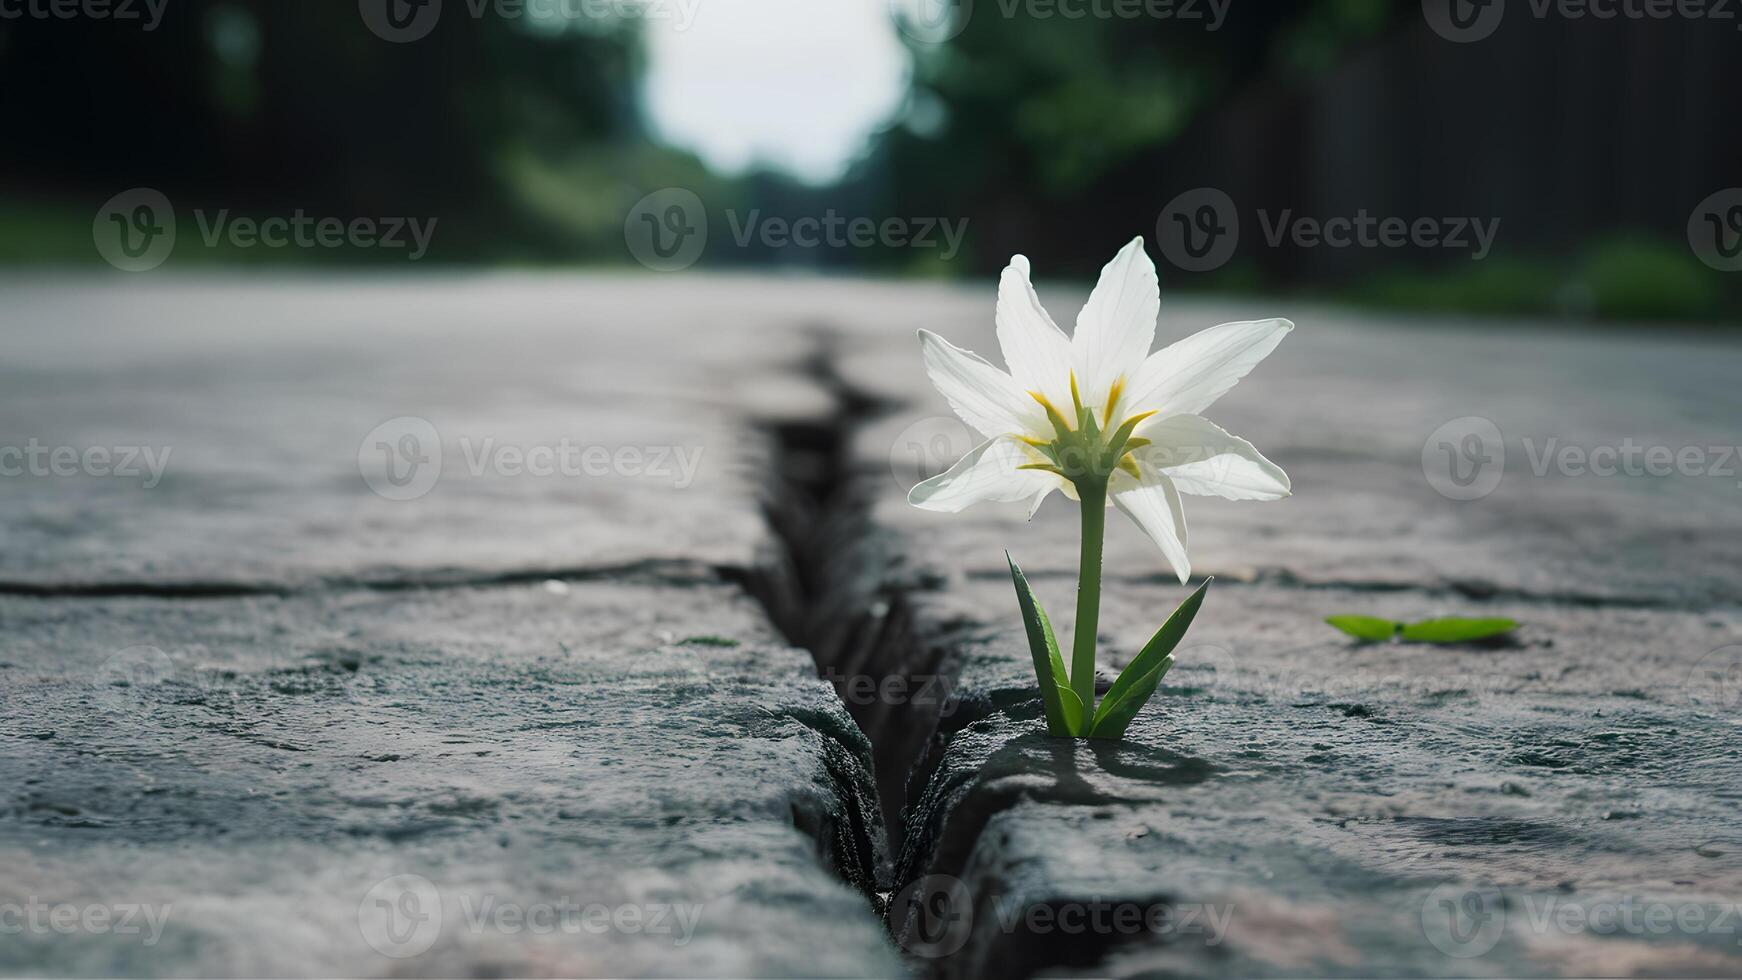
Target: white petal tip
x,y
927,503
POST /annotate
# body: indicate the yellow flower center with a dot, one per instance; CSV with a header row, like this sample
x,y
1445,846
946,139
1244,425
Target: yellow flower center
x,y
1090,451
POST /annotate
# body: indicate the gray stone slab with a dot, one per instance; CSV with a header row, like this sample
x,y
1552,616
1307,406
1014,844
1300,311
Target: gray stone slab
x,y
266,395
583,779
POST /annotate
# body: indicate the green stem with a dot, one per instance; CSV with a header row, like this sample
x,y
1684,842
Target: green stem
x,y
1094,500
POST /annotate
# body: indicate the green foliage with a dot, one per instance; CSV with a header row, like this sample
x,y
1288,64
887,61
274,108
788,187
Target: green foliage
x,y
1456,630
1641,279
1141,676
1619,278
1450,629
1066,714
1366,628
708,641
1064,710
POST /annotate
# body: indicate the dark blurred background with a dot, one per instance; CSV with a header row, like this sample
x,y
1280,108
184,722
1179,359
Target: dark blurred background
x,y
532,131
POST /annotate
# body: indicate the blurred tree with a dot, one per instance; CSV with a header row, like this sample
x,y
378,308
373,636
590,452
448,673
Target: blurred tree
x,y
261,104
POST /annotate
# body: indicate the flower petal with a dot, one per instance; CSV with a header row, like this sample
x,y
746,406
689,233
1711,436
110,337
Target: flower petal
x,y
1188,377
1203,459
1040,497
1036,350
985,397
987,473
1154,504
1117,326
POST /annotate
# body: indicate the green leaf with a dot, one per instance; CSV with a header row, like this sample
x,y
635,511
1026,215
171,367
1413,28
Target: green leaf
x,y
1049,665
1456,630
1074,711
1152,657
1366,628
1116,715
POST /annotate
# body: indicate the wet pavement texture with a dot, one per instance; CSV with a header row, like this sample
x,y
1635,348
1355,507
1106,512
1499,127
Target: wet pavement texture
x,y
543,625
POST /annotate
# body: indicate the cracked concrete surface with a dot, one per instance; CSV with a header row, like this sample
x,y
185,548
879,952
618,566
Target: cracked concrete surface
x,y
261,695
1293,803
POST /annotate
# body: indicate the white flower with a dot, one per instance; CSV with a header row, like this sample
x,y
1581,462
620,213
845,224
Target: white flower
x,y
1098,414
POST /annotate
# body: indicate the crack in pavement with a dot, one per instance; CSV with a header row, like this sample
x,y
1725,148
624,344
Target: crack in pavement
x,y
660,571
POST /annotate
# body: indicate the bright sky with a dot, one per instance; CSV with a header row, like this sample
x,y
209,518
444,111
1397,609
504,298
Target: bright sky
x,y
795,84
